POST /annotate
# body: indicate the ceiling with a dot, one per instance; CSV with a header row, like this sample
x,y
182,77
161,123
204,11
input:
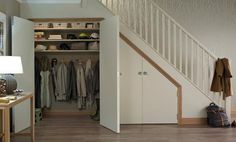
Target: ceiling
x,y
49,1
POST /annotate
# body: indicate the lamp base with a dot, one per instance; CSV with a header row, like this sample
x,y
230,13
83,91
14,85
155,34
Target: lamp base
x,y
3,92
11,83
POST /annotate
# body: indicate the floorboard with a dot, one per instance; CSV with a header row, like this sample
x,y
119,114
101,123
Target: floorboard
x,y
83,129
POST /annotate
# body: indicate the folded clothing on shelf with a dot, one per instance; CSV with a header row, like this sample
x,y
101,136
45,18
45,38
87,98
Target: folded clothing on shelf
x,y
93,46
78,46
55,37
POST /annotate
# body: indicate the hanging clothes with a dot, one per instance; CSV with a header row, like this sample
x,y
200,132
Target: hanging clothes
x,y
89,83
96,80
96,92
37,80
62,78
44,74
221,80
88,67
81,87
45,94
55,90
72,88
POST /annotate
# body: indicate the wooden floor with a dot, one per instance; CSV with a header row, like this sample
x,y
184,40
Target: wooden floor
x,y
82,129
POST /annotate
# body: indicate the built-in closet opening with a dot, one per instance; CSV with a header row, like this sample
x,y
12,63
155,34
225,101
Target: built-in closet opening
x,y
75,44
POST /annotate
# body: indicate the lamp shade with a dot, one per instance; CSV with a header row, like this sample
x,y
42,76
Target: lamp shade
x,y
10,65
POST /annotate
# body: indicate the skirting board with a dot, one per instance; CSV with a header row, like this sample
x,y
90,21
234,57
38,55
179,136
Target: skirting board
x,y
194,121
233,113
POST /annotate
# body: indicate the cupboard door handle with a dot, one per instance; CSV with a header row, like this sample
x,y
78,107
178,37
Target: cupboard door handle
x,y
140,73
145,73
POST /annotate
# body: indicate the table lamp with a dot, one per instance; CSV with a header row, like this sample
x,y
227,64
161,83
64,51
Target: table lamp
x,y
9,65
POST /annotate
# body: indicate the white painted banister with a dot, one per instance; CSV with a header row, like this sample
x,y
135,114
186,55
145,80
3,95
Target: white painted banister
x,y
168,39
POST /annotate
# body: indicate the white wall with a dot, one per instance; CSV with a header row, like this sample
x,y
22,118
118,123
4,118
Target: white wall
x,y
92,8
212,22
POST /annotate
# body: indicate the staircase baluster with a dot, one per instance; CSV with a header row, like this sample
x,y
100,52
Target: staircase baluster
x,y
192,58
152,29
169,39
174,29
180,52
163,46
186,55
157,30
146,21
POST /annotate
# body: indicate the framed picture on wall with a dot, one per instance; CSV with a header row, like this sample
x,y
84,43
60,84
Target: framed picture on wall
x,y
2,34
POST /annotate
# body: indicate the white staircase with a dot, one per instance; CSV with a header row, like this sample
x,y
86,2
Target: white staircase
x,y
168,39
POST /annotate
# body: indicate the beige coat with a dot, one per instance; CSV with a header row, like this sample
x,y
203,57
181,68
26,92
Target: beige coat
x,y
221,80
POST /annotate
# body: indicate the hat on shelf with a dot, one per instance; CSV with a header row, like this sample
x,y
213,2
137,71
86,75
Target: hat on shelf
x,y
64,46
52,47
94,36
71,36
40,47
83,36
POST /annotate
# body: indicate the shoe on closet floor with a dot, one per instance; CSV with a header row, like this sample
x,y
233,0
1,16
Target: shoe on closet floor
x,y
233,124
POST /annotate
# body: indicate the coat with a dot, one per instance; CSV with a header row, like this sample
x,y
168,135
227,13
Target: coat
x,y
62,82
71,90
221,80
81,84
96,81
37,83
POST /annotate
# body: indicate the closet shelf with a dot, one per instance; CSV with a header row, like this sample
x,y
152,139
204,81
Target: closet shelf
x,y
64,40
68,51
66,29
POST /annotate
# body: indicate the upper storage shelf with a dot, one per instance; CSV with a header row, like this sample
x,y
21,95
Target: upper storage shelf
x,y
65,40
67,35
66,29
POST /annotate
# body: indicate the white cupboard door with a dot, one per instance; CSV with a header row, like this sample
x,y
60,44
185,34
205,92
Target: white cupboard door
x,y
109,74
159,97
130,85
23,45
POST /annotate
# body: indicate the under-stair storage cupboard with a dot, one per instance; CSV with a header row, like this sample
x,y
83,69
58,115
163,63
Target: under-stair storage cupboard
x,y
58,35
147,97
71,43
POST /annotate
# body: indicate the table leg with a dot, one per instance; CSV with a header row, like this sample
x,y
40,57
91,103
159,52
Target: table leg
x,y
32,117
3,125
6,116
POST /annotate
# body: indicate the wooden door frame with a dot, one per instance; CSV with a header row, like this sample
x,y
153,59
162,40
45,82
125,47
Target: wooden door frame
x,y
164,73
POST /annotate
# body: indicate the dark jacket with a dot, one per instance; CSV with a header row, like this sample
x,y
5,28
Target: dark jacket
x,y
72,88
37,69
96,81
